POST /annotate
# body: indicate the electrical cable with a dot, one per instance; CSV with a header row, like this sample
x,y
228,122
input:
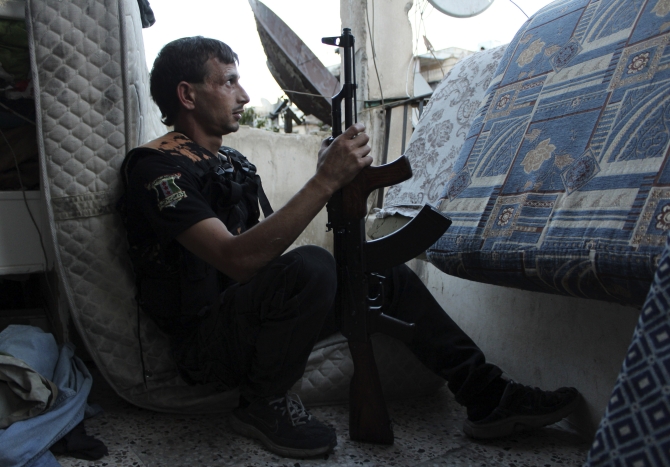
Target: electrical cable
x,y
415,42
409,66
32,218
371,33
419,10
17,114
518,8
303,93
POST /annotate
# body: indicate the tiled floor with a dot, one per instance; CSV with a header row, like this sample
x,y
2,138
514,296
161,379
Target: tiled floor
x,y
427,434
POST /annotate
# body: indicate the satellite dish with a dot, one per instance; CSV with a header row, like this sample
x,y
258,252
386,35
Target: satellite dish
x,y
461,8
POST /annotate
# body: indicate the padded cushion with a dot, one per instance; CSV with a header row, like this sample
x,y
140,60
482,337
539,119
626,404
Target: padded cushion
x,y
91,92
562,185
329,369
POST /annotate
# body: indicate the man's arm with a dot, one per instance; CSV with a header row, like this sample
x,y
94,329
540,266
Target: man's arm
x,y
241,256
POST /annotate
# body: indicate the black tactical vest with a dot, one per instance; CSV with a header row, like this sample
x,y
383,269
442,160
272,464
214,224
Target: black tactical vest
x,y
175,287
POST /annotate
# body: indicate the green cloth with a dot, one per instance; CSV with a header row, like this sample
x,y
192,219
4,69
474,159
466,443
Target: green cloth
x,y
14,54
24,393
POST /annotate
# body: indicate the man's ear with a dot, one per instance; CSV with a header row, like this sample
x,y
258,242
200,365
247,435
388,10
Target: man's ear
x,y
186,95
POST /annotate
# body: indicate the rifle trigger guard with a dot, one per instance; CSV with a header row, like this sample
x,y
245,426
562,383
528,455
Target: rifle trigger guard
x,y
376,283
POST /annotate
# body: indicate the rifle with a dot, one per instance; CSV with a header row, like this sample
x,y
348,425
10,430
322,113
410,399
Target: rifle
x,y
359,262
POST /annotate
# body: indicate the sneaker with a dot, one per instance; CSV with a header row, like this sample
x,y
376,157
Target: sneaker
x,y
284,426
523,408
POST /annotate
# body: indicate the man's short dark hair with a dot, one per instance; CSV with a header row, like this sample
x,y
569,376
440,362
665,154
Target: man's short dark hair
x,y
183,60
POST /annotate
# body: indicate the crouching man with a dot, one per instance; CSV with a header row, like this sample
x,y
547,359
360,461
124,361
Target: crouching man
x,y
240,310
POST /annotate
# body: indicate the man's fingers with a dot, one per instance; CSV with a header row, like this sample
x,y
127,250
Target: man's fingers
x,y
363,150
367,160
352,137
353,130
361,139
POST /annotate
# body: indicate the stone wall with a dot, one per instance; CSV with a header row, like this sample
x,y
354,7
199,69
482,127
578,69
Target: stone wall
x,y
285,162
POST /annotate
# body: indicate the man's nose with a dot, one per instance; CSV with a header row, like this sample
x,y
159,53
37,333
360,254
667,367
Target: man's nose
x,y
243,96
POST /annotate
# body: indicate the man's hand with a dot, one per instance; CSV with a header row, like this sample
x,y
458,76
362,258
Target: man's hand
x,y
341,161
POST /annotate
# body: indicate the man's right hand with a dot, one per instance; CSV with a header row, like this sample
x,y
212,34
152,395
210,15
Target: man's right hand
x,y
242,256
340,161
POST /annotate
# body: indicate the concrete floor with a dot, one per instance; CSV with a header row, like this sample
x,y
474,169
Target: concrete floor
x,y
427,430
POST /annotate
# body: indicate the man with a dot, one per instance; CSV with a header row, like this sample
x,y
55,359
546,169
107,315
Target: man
x,y
238,309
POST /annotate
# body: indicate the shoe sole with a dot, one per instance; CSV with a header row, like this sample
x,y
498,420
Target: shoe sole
x,y
516,424
251,431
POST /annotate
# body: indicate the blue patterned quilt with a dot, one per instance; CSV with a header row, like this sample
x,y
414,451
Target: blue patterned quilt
x,y
563,182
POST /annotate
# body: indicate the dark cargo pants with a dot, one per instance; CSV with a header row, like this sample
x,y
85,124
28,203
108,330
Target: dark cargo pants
x,y
266,328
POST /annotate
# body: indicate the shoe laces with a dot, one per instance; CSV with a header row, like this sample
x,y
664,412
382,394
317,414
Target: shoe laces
x,y
292,405
533,396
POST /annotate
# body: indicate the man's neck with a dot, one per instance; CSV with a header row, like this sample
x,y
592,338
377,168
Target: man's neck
x,y
211,143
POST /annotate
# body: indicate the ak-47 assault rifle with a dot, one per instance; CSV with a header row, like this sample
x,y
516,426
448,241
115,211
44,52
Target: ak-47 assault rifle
x,y
359,262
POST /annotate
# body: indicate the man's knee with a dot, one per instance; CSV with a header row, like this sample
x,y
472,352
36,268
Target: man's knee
x,y
307,284
317,267
317,255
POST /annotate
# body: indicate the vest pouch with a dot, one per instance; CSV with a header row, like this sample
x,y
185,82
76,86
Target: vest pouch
x,y
226,198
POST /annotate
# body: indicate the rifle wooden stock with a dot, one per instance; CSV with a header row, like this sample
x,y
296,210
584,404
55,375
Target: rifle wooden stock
x,y
369,419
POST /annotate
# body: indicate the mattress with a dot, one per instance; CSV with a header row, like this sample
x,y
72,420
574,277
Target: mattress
x,y
563,183
91,92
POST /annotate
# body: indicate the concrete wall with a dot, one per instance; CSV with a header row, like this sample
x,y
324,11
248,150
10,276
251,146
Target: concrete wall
x,y
382,31
540,339
285,162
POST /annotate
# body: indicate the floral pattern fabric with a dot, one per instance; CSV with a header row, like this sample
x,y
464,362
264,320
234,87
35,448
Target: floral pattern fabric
x,y
562,184
441,131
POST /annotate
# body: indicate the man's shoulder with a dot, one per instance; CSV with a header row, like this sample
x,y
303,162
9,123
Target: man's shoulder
x,y
172,150
177,145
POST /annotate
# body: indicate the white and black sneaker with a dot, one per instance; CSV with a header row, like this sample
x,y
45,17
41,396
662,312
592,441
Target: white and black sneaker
x,y
284,426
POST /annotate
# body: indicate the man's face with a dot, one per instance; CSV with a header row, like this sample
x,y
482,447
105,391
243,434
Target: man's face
x,y
220,99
